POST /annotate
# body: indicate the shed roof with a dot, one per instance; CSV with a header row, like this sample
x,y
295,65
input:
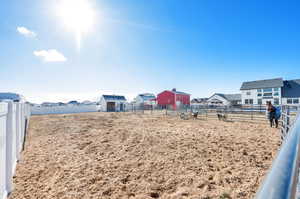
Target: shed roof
x,y
10,96
267,83
114,97
291,88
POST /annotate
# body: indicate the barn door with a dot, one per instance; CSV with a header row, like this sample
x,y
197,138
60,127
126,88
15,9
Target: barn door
x,y
111,106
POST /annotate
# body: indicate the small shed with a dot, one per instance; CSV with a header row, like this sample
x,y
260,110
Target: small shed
x,y
112,103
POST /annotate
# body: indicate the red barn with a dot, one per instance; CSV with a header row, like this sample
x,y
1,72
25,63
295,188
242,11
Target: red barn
x,y
173,98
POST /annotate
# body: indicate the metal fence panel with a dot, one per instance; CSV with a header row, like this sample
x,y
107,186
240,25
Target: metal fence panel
x,y
282,179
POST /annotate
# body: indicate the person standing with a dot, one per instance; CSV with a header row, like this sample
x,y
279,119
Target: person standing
x,y
271,112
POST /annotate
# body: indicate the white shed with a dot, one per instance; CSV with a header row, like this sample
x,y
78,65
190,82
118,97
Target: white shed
x,y
112,103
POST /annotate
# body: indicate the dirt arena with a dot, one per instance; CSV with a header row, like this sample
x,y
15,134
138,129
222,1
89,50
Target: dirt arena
x,y
124,155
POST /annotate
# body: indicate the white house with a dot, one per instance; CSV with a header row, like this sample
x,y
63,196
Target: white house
x,y
145,99
112,103
278,91
224,99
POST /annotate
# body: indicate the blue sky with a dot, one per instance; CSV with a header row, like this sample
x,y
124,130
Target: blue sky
x,y
134,46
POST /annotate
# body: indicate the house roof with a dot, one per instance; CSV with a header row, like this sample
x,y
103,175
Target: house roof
x,y
291,88
233,97
114,97
10,96
73,102
199,100
267,83
216,100
230,97
147,96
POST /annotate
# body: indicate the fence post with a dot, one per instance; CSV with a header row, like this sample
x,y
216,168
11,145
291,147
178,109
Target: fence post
x,y
18,129
3,118
251,110
9,147
287,119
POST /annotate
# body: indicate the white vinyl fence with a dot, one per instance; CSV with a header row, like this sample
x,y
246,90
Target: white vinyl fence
x,y
14,119
44,110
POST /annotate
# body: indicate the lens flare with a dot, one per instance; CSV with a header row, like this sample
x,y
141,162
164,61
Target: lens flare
x,y
77,16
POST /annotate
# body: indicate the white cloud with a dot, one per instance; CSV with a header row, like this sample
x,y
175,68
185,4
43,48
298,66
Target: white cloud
x,y
50,55
26,32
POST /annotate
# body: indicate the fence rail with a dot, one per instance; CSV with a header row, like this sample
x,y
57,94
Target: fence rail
x,y
14,118
255,113
42,110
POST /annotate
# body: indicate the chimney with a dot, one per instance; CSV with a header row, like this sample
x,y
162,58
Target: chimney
x,y
174,89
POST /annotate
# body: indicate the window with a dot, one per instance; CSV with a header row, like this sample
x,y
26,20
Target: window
x,y
267,94
259,90
259,101
295,101
259,94
289,101
246,101
276,101
267,89
250,101
248,93
276,94
276,89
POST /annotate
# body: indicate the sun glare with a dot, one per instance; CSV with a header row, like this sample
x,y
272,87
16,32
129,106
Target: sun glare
x,y
77,16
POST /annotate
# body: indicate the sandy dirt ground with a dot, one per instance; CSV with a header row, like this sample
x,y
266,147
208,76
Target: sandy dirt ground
x,y
125,155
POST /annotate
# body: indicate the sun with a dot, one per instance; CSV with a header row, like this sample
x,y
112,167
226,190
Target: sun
x,y
77,16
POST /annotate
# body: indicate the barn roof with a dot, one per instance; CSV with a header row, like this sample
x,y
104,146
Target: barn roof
x,y
175,92
267,83
114,97
291,88
180,93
